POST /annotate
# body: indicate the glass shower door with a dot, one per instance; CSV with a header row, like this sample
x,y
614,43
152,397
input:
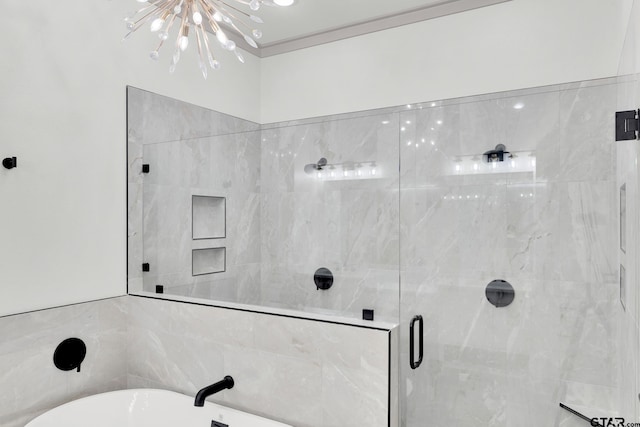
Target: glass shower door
x,y
517,190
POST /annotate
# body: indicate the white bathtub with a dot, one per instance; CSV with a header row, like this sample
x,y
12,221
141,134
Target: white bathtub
x,y
146,408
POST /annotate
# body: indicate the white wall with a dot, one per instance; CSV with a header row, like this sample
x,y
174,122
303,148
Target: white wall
x,y
630,53
63,75
513,45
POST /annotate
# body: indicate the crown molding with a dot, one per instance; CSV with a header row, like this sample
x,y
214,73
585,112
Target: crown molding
x,y
445,8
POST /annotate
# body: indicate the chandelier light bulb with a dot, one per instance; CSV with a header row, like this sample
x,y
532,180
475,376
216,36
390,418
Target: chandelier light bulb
x,y
157,24
254,5
222,38
183,43
257,34
197,18
283,3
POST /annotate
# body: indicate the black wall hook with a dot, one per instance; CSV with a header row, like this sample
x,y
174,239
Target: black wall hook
x,y
10,162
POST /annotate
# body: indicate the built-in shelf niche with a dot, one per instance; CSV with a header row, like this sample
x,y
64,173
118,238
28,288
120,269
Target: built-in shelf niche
x,y
208,261
209,217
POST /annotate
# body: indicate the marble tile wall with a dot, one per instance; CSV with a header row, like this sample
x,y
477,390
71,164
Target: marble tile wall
x,y
31,384
313,219
548,227
191,151
282,223
302,372
221,166
307,373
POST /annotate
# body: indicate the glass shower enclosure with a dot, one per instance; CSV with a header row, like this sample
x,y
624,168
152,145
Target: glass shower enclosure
x,y
510,254
498,231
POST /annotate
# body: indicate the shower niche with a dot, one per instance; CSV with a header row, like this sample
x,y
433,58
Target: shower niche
x,y
208,221
208,261
208,217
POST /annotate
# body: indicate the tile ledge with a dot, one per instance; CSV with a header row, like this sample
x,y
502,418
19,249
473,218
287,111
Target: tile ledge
x,y
347,321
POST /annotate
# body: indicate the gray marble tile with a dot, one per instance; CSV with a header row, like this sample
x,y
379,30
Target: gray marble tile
x,y
155,118
260,385
453,101
321,342
161,357
575,237
29,341
178,346
339,386
584,150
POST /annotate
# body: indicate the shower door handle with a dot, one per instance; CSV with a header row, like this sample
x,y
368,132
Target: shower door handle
x,y
412,362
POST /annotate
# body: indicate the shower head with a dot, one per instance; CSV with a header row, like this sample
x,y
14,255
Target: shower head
x,y
312,167
497,154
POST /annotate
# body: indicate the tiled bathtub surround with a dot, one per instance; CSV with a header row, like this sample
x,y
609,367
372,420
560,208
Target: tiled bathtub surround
x,y
303,372
30,383
550,230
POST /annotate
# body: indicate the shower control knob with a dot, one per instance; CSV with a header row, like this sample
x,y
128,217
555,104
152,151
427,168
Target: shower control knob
x,y
500,293
323,278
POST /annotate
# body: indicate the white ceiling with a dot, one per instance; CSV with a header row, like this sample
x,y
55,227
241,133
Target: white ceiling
x,y
311,22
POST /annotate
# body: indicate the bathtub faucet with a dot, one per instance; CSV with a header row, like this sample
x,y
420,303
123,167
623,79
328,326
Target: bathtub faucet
x,y
227,382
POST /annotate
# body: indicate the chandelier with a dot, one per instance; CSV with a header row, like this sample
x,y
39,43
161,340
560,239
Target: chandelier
x,y
197,18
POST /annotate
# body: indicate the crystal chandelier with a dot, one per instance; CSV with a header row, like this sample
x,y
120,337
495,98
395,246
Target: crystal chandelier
x,y
197,18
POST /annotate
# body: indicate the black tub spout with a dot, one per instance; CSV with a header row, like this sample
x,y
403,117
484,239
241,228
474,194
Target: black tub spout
x,y
227,382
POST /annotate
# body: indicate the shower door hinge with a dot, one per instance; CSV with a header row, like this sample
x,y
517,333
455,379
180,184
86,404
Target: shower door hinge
x,y
145,168
627,125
